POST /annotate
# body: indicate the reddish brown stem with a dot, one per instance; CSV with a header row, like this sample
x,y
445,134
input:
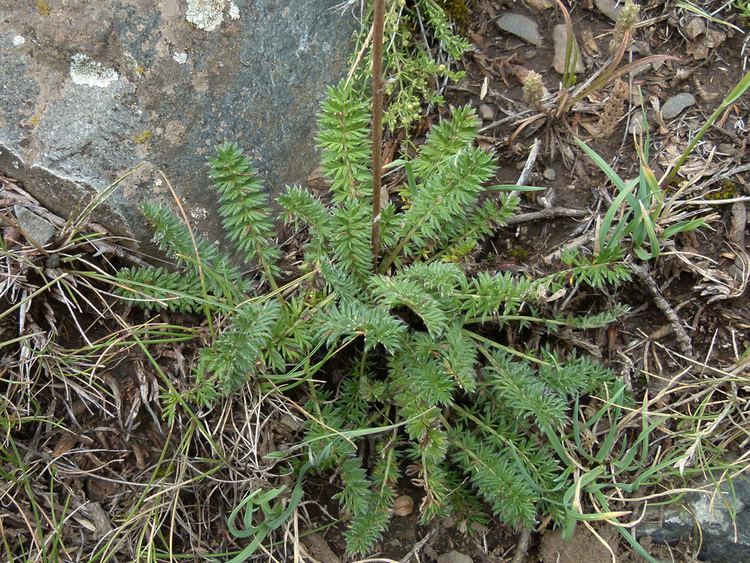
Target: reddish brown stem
x,y
377,115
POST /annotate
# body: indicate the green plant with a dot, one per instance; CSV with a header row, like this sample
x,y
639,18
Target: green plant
x,y
646,213
641,212
467,418
420,46
744,7
735,94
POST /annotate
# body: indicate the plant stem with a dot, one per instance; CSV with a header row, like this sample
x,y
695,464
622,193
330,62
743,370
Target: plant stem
x,y
377,115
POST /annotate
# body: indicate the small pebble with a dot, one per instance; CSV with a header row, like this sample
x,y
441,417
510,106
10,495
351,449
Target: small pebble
x,y
540,5
403,505
455,557
38,228
486,112
520,26
610,8
548,199
675,105
550,174
637,123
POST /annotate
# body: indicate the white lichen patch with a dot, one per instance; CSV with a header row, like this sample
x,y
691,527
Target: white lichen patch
x,y
19,40
205,14
86,72
180,58
234,11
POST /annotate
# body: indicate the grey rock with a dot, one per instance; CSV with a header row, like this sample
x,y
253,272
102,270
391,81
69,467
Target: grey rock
x,y
707,521
548,199
549,174
455,557
486,112
520,26
638,123
96,88
610,8
560,39
675,105
38,228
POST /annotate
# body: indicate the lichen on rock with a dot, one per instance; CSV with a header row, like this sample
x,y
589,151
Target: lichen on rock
x,y
87,72
234,11
205,14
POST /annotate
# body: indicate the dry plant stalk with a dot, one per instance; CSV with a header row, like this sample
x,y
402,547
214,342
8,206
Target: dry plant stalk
x,y
614,109
377,128
629,16
533,90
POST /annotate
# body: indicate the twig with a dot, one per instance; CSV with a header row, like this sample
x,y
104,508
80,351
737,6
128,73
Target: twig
x,y
642,272
573,244
417,546
548,213
361,54
377,115
522,548
529,166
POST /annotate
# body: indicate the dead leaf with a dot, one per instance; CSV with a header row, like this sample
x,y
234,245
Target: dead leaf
x,y
485,86
700,48
66,443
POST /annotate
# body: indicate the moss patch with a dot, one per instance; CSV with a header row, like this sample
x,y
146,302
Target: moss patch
x,y
43,8
728,190
458,12
143,138
520,253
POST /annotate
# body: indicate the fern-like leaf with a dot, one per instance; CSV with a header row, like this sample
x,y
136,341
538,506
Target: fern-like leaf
x,y
444,198
244,209
351,319
160,289
344,139
497,479
356,495
367,528
461,238
233,358
459,358
606,268
350,238
446,140
575,376
222,278
300,207
515,384
503,293
403,292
